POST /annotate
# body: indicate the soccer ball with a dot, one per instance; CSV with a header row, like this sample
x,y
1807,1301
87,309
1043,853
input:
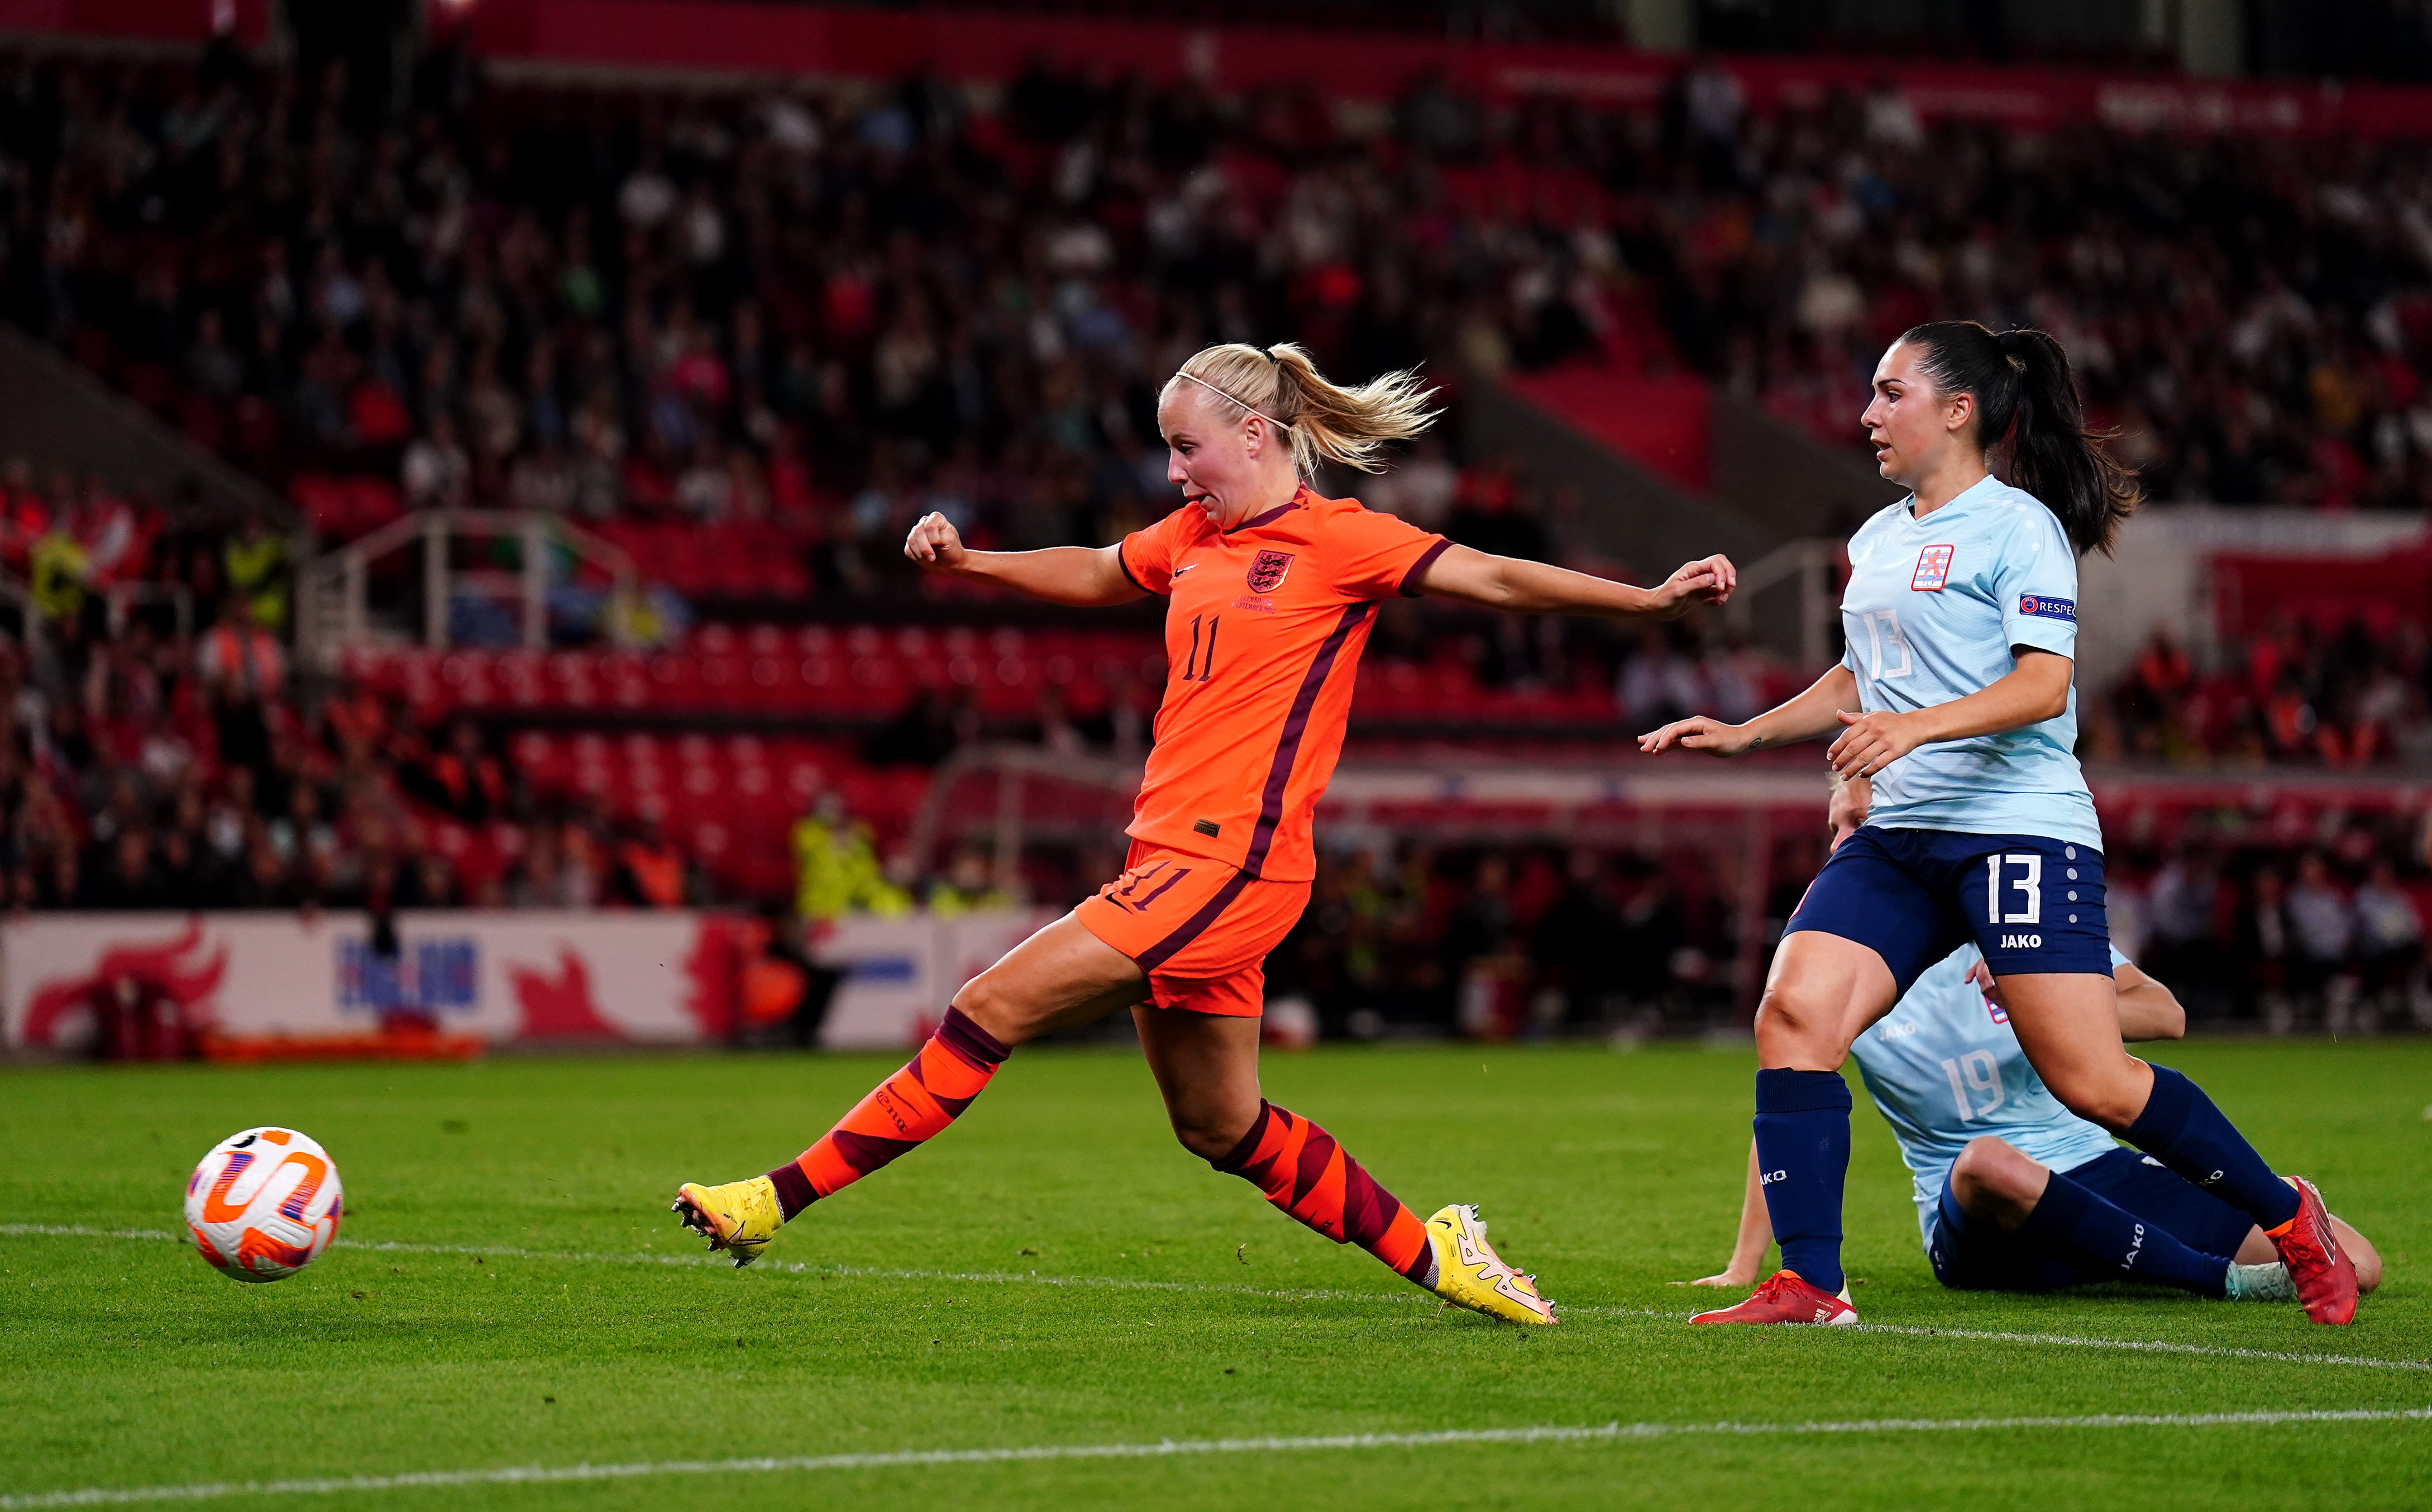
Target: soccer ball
x,y
263,1203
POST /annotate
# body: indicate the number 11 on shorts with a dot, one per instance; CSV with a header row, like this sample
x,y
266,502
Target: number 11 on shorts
x,y
2029,884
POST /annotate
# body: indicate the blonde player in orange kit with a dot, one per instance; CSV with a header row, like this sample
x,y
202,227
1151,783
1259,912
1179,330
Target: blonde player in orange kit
x,y
1271,594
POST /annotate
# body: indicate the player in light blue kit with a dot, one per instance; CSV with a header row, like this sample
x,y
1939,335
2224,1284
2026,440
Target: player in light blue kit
x,y
1955,697
2014,1192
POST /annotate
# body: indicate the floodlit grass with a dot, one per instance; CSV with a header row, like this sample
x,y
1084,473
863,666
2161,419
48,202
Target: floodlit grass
x,y
922,1317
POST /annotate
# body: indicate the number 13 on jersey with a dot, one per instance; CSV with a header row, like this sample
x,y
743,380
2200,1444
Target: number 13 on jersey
x,y
1884,642
2025,875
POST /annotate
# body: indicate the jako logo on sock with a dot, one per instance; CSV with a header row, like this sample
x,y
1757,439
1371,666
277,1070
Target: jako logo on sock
x,y
1768,1178
2135,1250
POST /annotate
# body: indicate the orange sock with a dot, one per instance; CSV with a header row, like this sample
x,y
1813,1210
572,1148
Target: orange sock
x,y
914,1105
1306,1173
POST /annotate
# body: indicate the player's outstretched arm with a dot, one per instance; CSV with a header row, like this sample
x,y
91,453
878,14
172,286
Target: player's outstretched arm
x,y
1756,1232
1088,577
1535,588
1813,713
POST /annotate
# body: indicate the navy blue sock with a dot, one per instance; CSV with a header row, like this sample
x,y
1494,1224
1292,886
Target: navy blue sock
x,y
1802,1151
2076,1223
2182,1129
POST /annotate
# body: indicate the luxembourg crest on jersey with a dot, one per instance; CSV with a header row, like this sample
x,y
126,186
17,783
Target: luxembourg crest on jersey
x,y
1933,569
1267,571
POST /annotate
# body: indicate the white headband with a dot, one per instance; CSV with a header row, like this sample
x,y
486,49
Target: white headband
x,y
1280,425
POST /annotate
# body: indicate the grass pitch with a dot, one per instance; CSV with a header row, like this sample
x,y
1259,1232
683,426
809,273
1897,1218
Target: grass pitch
x,y
1055,1274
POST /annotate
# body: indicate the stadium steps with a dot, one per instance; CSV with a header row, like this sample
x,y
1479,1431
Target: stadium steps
x,y
60,416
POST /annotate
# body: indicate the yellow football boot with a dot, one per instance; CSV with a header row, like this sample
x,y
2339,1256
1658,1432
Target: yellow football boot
x,y
1470,1274
740,1217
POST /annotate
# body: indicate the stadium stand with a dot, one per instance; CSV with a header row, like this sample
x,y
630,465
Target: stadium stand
x,y
793,321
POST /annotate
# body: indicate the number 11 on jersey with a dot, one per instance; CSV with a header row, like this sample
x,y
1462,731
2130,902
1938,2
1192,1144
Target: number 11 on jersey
x,y
1194,670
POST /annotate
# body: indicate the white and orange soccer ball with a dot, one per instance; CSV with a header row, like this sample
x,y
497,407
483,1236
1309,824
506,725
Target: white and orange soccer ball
x,y
263,1203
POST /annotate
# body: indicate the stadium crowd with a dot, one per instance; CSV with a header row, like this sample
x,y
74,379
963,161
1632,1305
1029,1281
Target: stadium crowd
x,y
152,766
2350,700
1506,941
1525,940
2253,314
820,313
151,771
2321,937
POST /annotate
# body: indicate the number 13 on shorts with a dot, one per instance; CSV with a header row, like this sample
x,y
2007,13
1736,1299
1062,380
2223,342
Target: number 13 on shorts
x,y
2024,875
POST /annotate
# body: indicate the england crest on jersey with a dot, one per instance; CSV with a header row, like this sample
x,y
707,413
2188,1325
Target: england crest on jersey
x,y
1267,571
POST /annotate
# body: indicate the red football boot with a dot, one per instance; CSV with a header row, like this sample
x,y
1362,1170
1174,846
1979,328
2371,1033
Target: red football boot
x,y
1787,1299
2325,1277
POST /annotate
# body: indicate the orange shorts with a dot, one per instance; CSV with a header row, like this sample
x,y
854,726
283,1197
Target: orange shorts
x,y
1199,928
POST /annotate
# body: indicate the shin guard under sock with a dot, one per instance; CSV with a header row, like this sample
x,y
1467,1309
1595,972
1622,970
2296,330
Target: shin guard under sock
x,y
1802,1151
2076,1223
1302,1172
2182,1129
915,1104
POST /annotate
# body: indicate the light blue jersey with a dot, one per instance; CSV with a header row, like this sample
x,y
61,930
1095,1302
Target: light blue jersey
x,y
1933,608
1944,1066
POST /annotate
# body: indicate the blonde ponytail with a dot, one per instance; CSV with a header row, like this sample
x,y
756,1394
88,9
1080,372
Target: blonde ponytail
x,y
1324,420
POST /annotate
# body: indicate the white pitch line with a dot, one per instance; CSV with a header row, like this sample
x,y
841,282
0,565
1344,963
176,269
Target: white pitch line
x,y
1167,1448
2145,1346
1008,1278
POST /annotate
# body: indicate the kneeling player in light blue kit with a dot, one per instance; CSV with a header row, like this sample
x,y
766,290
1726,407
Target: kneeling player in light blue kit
x,y
2016,1193
1956,697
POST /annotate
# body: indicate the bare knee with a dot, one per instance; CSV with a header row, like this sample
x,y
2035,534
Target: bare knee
x,y
2113,1110
2257,1250
1796,1031
1212,1131
1991,1177
2111,1094
985,1002
2360,1252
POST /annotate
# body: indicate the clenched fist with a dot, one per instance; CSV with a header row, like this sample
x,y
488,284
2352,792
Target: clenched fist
x,y
934,543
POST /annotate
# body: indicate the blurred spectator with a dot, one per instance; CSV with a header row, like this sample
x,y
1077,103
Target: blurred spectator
x,y
2390,943
1658,686
836,866
240,659
437,474
256,569
650,872
1575,938
464,779
2323,930
968,884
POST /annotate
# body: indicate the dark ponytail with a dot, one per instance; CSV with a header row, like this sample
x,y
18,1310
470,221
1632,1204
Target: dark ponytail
x,y
2027,408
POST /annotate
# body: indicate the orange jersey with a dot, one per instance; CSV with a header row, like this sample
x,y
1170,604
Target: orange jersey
x,y
1264,624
